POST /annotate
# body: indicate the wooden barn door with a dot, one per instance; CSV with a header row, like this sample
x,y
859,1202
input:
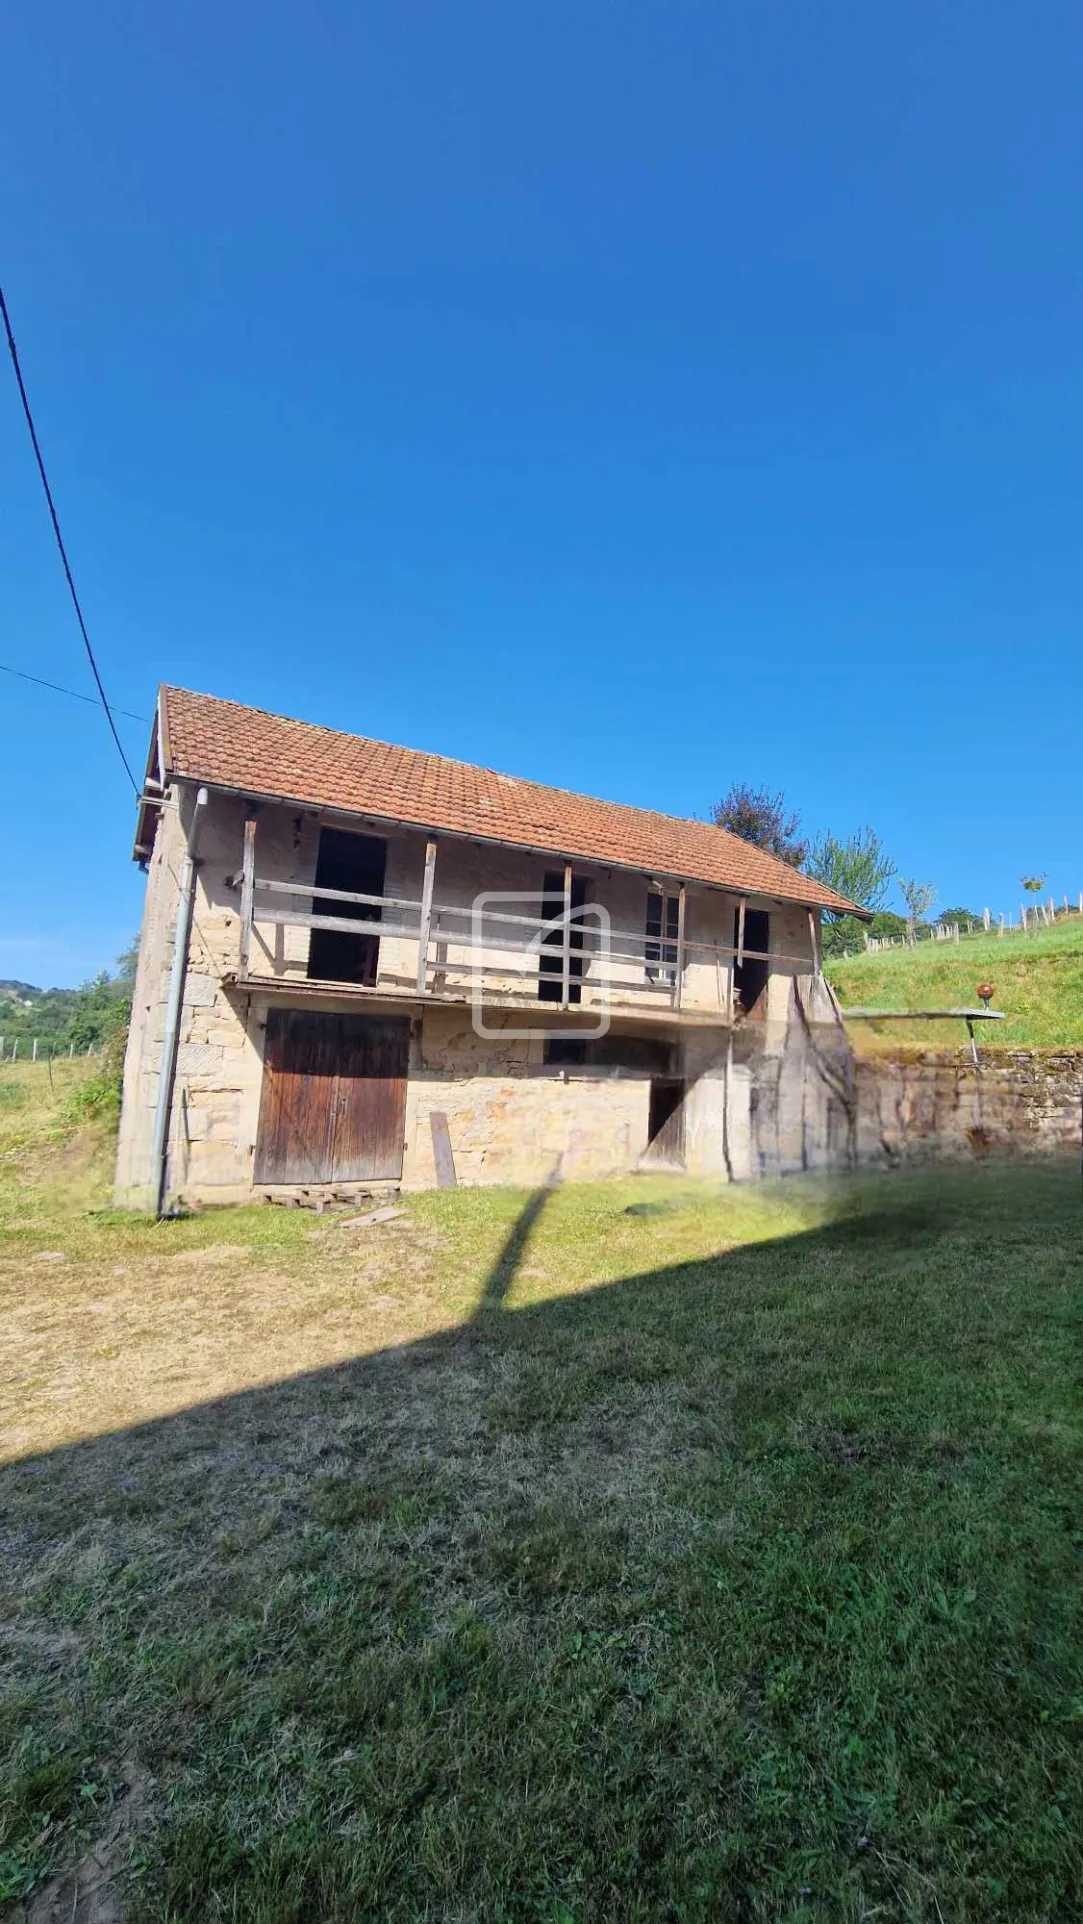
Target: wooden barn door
x,y
333,1104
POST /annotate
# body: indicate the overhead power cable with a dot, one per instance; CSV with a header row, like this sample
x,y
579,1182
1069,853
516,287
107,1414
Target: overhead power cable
x,y
60,539
73,692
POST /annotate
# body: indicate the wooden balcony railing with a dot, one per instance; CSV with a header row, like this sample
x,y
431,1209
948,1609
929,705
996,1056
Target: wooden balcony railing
x,y
575,958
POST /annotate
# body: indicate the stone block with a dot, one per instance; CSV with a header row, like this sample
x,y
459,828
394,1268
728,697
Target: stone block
x,y
200,991
199,1058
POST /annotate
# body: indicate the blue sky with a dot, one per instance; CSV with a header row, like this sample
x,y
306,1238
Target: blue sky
x,y
636,397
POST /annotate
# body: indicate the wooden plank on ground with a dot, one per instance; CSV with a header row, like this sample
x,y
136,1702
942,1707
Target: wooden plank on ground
x,y
441,1150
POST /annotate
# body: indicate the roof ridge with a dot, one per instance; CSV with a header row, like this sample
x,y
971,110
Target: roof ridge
x,y
481,768
218,738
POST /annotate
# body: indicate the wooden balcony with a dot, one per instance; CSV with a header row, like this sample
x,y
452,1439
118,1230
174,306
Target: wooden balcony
x,y
487,953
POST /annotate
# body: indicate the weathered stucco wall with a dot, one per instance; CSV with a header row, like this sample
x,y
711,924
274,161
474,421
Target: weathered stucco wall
x,y
463,870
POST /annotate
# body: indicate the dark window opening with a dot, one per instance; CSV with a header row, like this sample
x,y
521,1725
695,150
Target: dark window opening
x,y
665,1124
355,863
551,958
565,1050
639,1055
663,913
750,976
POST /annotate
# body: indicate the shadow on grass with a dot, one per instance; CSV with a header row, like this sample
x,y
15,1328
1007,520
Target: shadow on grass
x,y
739,1588
498,1283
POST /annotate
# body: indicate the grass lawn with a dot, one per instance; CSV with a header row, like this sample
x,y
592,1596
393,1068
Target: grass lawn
x,y
1038,980
614,1553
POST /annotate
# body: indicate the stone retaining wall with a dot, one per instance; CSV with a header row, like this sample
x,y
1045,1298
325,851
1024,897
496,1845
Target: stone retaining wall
x,y
937,1104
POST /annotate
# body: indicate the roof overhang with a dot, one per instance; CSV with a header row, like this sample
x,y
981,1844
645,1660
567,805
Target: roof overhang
x,y
549,850
149,804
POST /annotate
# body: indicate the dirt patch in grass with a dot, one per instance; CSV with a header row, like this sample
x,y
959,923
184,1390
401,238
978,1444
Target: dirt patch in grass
x,y
90,1893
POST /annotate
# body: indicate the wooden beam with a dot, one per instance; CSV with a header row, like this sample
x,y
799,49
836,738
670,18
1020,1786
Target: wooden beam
x,y
426,916
814,931
566,960
680,947
347,925
248,888
264,884
742,905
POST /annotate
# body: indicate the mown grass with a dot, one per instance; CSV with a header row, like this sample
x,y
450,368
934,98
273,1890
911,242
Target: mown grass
x,y
611,1553
1038,981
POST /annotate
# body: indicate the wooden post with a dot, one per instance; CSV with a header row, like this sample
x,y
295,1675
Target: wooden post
x,y
986,918
248,891
678,984
741,933
566,966
1000,930
426,917
34,1050
814,932
71,1050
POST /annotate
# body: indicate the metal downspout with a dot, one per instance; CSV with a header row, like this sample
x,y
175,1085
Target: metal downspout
x,y
174,1001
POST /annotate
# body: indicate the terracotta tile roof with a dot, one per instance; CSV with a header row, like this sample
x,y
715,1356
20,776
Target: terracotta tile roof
x,y
229,746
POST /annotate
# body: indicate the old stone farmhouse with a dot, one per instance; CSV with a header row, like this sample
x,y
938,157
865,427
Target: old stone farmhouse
x,y
361,964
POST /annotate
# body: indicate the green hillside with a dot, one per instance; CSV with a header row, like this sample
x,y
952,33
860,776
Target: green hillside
x,y
1038,983
59,1019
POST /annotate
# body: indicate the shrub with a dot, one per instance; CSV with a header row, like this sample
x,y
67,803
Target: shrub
x,y
99,1096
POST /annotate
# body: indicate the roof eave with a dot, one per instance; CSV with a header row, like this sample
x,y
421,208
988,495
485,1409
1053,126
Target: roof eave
x,y
549,849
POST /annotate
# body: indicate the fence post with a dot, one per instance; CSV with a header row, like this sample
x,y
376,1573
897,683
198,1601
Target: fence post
x,y
71,1050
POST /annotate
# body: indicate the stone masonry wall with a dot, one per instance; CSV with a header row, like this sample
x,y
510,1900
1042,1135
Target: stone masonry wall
x,y
510,1119
938,1105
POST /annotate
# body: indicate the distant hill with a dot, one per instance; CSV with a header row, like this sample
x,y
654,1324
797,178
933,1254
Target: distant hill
x,y
59,1018
1037,981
